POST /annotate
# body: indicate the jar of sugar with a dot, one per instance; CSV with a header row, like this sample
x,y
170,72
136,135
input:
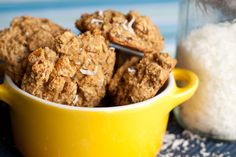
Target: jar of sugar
x,y
207,46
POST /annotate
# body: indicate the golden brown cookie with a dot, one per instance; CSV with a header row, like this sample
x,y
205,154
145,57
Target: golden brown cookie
x,y
25,35
140,79
39,68
131,30
77,74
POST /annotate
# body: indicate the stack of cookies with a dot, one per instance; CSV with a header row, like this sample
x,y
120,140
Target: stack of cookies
x,y
54,64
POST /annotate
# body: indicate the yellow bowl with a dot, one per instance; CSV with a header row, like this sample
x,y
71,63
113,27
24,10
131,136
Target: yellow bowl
x,y
46,129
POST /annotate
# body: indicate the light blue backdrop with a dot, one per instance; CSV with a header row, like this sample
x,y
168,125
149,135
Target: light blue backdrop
x,y
162,12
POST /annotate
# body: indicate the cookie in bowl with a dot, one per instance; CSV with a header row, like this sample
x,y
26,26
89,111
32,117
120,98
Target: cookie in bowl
x,y
140,79
130,30
75,73
24,35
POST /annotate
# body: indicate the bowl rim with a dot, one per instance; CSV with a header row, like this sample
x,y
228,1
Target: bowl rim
x,y
147,102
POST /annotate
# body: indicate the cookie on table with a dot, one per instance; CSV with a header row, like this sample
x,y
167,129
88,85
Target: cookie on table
x,y
131,30
25,35
75,73
140,79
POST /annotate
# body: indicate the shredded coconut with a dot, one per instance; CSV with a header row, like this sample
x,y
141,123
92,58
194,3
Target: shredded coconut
x,y
219,144
210,53
101,82
100,13
97,21
75,100
112,48
132,70
124,25
128,26
88,72
176,143
185,143
77,63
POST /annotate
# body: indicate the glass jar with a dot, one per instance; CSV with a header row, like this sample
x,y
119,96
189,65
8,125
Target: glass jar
x,y
207,46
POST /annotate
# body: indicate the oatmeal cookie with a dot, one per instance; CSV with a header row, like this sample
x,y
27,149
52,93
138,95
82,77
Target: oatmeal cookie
x,y
25,35
39,67
131,30
78,72
140,79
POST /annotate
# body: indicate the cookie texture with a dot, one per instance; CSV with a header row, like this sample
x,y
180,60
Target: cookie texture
x,y
75,73
25,35
140,79
130,30
54,64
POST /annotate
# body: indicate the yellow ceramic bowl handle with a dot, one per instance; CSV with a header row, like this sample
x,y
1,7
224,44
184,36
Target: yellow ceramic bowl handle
x,y
181,94
3,92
